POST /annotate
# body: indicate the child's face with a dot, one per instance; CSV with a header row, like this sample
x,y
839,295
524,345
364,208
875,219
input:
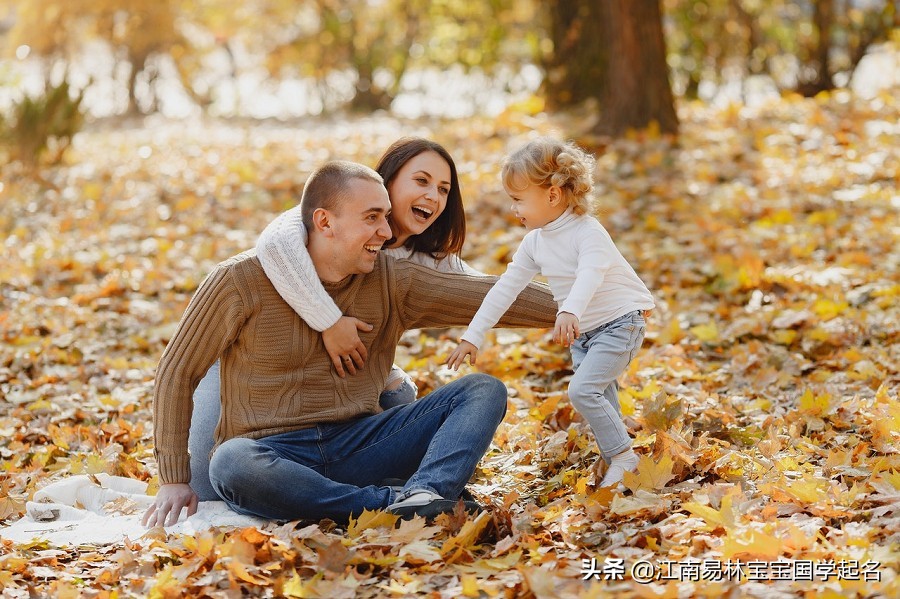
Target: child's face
x,y
536,206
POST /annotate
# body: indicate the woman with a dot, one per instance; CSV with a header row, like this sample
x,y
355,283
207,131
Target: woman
x,y
428,224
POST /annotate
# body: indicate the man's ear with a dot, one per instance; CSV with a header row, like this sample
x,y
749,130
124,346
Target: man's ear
x,y
555,195
321,219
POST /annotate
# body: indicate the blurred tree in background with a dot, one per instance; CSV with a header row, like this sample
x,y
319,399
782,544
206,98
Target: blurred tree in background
x,y
576,58
613,55
620,56
138,34
377,43
807,47
636,90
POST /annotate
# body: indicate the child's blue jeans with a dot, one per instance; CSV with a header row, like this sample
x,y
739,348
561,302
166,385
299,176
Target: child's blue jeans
x,y
599,357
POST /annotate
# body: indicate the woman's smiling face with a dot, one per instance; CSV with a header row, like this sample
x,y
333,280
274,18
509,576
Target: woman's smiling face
x,y
418,195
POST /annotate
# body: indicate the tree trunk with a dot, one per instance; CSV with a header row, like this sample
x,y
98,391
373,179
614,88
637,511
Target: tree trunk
x,y
369,97
637,91
575,68
137,65
823,19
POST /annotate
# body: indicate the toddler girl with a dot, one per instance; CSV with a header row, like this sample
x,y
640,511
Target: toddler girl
x,y
602,302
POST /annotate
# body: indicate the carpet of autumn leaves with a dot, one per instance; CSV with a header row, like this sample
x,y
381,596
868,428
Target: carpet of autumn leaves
x,y
764,402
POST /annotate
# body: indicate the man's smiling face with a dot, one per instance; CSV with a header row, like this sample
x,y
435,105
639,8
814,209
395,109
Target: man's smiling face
x,y
359,228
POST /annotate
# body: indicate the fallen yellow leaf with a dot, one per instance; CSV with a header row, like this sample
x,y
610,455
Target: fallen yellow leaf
x,y
650,475
370,519
749,542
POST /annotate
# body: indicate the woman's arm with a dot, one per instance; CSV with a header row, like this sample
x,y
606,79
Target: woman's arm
x,y
282,252
281,249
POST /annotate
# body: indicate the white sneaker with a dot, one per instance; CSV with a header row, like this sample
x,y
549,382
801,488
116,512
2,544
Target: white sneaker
x,y
429,505
626,461
414,498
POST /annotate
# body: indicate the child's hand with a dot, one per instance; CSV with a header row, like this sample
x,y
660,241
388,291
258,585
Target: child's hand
x,y
566,329
459,355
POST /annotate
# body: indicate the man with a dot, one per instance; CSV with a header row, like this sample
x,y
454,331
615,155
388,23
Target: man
x,y
295,441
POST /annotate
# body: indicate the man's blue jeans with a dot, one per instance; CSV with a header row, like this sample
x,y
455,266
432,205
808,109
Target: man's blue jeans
x,y
335,470
208,408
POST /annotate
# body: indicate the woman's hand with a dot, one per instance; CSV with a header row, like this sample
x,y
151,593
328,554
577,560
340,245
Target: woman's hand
x,y
170,499
566,330
459,355
344,346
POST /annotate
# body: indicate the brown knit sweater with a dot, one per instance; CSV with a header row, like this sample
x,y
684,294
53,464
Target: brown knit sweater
x,y
276,376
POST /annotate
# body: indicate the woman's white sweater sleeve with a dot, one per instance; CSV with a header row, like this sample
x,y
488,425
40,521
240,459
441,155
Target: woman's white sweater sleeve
x,y
450,263
281,249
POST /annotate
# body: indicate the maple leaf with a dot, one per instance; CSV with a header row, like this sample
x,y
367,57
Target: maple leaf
x,y
10,505
469,586
662,411
419,552
807,490
815,405
707,333
414,529
467,536
453,521
888,486
749,542
239,570
254,536
650,474
597,502
672,333
546,408
828,309
203,544
370,519
122,506
672,443
724,516
540,582
238,549
409,588
333,557
642,500
302,589
485,567
166,585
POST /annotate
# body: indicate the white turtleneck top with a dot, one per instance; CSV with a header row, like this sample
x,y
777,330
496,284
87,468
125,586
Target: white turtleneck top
x,y
587,274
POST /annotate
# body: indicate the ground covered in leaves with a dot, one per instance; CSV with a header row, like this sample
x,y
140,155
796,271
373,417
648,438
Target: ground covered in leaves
x,y
764,403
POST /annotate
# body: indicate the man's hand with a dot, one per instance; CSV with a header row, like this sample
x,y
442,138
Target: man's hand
x,y
343,345
459,355
566,330
167,507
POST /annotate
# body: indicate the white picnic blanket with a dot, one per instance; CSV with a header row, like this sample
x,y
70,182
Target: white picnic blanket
x,y
102,509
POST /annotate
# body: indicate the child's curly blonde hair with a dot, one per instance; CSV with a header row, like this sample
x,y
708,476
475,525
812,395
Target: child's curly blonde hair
x,y
546,161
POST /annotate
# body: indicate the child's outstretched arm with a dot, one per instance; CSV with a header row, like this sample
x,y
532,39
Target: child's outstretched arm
x,y
518,274
459,355
281,249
